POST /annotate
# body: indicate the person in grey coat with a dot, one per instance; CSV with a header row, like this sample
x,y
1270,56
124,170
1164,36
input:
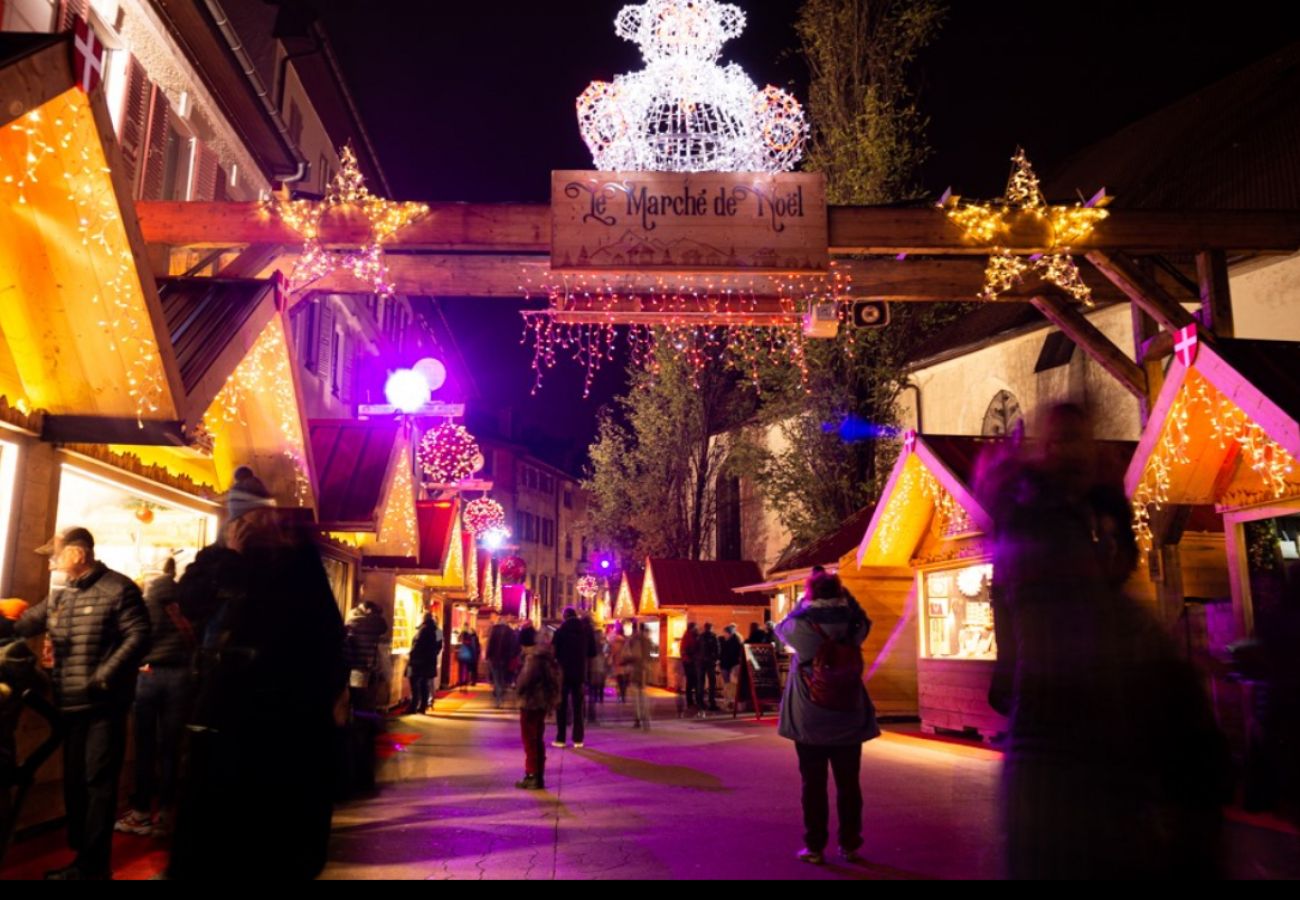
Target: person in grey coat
x,y
826,737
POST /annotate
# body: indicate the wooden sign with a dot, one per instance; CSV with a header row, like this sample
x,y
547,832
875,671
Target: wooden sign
x,y
760,680
688,222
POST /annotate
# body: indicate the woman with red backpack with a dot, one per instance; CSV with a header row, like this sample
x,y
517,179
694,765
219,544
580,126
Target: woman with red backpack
x,y
826,711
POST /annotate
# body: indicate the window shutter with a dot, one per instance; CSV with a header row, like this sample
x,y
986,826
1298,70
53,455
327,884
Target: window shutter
x,y
207,175
70,11
349,354
324,339
135,119
154,180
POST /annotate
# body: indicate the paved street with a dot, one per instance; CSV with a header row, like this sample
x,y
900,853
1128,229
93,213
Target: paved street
x,y
687,800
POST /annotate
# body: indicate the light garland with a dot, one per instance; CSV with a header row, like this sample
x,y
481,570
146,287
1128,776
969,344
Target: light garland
x,y
399,527
1230,426
63,131
448,454
347,191
484,515
588,587
985,223
684,112
265,374
699,319
950,517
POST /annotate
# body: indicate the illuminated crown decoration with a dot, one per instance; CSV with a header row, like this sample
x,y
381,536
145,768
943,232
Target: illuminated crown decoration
x,y
683,112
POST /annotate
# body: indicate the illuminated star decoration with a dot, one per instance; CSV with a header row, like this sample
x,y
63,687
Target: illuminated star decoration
x,y
347,192
448,454
683,112
985,223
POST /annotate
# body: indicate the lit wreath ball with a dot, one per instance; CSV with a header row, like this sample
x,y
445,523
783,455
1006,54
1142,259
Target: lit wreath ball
x,y
448,454
484,514
588,586
513,570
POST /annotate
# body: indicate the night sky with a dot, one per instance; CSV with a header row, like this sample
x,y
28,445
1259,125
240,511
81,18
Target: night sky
x,y
475,101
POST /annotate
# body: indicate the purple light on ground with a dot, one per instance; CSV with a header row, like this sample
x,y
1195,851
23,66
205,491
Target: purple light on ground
x,y
407,390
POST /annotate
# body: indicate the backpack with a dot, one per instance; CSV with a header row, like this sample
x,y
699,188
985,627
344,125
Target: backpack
x,y
834,676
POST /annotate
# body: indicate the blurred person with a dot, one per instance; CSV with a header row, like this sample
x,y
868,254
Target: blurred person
x,y
826,711
575,646
756,634
99,628
597,675
365,631
636,667
707,665
1114,767
690,660
502,653
616,645
731,653
422,666
538,689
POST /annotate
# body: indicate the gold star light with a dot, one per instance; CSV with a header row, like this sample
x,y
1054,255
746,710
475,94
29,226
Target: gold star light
x,y
985,223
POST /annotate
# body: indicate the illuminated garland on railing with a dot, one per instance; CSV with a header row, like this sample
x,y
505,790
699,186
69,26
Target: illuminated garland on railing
x,y
985,223
1230,426
346,191
63,131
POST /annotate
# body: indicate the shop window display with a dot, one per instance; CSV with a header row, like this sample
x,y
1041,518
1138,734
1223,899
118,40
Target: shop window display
x,y
8,484
957,614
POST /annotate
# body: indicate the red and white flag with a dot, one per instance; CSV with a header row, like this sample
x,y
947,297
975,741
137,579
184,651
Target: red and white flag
x,y
1186,345
909,442
87,56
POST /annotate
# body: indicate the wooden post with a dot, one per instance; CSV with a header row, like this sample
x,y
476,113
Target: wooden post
x,y
251,261
1216,296
1088,336
1144,329
1142,289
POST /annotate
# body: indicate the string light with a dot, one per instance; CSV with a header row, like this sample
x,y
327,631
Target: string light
x,y
399,527
1229,426
347,192
448,454
588,587
264,373
985,223
701,320
61,146
484,515
684,112
950,517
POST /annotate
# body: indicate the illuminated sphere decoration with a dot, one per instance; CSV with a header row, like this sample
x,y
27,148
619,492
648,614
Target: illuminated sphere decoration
x,y
588,586
484,515
407,389
448,454
683,112
434,372
513,570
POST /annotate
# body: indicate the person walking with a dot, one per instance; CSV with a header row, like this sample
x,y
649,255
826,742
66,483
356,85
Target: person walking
x,y
475,657
99,627
616,646
730,655
538,689
271,664
464,658
597,675
575,645
636,669
502,652
422,667
690,666
826,711
162,704
709,652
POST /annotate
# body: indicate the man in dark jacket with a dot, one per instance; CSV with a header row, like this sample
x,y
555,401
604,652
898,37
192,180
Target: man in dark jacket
x,y
690,665
730,655
422,665
366,629
98,625
162,703
575,644
707,665
502,652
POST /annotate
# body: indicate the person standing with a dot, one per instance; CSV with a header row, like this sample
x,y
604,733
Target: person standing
x,y
730,655
756,634
502,652
826,711
616,646
99,627
575,645
597,675
475,657
690,665
709,652
162,704
538,689
271,664
426,650
636,667
366,629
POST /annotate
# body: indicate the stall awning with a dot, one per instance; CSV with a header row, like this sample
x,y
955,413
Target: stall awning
x,y
1225,431
82,332
826,551
630,592
684,582
354,461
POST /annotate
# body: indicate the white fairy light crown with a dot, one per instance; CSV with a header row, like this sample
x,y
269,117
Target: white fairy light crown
x,y
683,112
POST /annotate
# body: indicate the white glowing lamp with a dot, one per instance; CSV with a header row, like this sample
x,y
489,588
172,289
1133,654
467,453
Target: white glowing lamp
x,y
407,390
434,372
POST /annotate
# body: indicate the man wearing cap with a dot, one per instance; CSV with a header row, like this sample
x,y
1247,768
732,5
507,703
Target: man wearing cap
x,y
98,625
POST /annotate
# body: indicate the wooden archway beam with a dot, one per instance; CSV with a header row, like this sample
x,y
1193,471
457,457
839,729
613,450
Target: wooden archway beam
x,y
1094,342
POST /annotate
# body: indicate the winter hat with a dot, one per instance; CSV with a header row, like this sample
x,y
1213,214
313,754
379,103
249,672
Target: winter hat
x,y
247,494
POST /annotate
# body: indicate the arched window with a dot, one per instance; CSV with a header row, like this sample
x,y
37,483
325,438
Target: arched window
x,y
1003,415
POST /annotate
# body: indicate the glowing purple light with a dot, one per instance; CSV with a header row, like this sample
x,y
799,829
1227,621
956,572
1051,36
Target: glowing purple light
x,y
407,390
